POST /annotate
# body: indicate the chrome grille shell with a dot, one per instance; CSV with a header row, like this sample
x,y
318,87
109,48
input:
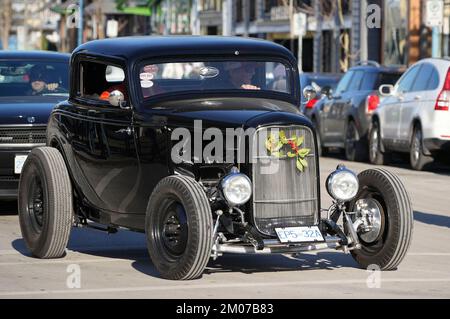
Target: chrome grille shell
x,y
287,198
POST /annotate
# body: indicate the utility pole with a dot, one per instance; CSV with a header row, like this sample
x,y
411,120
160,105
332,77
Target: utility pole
x,y
227,18
436,42
364,54
80,22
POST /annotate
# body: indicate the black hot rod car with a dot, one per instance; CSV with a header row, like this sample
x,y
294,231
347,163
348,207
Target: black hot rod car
x,y
198,142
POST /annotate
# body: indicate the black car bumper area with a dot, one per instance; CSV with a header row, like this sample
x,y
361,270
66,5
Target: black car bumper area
x,y
9,187
9,181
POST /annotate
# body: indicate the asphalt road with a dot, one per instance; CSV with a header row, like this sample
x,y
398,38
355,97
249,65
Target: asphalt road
x,y
117,266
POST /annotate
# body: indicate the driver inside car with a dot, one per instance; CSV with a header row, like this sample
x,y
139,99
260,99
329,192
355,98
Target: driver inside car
x,y
39,81
240,75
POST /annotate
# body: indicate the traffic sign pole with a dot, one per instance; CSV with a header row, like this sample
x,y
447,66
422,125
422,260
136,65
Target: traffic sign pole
x,y
436,43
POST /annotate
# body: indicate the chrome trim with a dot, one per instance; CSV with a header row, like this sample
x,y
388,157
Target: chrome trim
x,y
255,156
284,201
15,146
21,125
275,247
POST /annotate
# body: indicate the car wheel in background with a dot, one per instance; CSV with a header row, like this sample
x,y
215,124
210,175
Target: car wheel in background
x,y
45,203
354,147
383,201
418,159
376,156
322,151
178,227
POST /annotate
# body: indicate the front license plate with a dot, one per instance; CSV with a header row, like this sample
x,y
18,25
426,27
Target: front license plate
x,y
299,234
19,160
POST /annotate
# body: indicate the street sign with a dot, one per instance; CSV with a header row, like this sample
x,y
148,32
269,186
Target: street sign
x,y
112,28
434,13
298,27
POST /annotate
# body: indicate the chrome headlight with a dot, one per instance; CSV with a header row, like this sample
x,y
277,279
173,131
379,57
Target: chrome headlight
x,y
342,184
236,188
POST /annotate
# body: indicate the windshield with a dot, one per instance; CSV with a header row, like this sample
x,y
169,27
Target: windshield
x,y
34,78
163,78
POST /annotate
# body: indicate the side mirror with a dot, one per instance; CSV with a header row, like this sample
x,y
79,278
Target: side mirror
x,y
327,91
116,98
386,90
309,93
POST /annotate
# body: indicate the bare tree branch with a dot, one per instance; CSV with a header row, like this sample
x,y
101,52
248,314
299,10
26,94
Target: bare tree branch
x,y
5,22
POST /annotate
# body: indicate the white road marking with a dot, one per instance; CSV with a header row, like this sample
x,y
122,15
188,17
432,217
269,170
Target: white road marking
x,y
217,286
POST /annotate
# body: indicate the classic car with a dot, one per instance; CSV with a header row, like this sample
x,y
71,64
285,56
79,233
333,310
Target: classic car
x,y
31,83
140,145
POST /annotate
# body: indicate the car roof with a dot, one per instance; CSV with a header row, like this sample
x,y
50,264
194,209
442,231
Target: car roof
x,y
34,55
381,69
438,62
138,47
322,75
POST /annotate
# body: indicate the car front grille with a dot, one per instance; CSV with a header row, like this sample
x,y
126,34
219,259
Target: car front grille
x,y
22,135
283,196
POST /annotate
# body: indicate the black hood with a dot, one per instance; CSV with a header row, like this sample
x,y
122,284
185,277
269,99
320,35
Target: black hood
x,y
227,112
27,110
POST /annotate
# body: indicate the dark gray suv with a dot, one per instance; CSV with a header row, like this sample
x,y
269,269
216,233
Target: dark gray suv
x,y
342,117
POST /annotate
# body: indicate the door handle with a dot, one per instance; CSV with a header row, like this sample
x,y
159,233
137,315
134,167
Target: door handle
x,y
127,130
417,97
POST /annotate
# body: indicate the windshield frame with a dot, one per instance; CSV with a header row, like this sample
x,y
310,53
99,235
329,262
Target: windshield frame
x,y
292,97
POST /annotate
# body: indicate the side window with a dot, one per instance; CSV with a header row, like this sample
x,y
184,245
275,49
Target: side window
x,y
344,82
423,77
433,81
407,81
356,81
98,80
369,81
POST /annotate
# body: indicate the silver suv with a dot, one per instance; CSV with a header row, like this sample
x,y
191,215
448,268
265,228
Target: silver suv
x,y
413,115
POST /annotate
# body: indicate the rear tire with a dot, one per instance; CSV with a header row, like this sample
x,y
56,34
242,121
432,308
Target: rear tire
x,y
390,244
418,159
179,228
376,156
45,203
354,148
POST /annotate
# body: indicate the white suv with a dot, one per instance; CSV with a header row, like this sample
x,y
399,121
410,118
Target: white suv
x,y
414,115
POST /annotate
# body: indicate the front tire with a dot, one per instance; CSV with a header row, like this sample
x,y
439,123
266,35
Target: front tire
x,y
388,246
179,228
45,203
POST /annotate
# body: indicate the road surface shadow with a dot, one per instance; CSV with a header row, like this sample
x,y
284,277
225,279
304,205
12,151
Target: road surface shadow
x,y
248,264
280,263
432,219
88,241
132,246
8,207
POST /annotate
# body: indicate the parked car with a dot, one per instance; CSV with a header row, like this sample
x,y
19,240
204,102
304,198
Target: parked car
x,y
144,158
414,115
30,85
343,117
324,82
